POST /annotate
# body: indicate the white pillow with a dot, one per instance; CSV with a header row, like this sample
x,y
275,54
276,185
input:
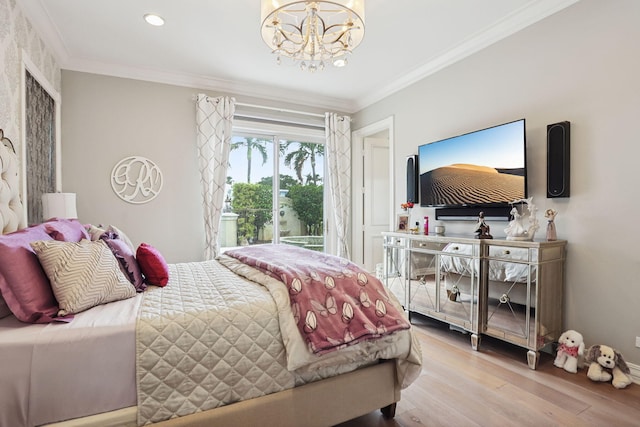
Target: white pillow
x,y
82,274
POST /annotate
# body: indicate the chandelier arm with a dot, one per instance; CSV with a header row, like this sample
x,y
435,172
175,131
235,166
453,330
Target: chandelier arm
x,y
340,36
289,39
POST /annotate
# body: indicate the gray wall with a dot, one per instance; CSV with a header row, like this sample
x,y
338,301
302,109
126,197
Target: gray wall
x,y
581,65
105,119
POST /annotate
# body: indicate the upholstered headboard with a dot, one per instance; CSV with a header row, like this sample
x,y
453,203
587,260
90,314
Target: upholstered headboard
x,y
11,215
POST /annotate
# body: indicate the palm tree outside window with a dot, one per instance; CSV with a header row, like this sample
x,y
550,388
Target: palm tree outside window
x,y
263,210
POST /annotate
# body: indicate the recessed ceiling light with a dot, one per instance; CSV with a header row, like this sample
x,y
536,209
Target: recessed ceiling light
x,y
153,19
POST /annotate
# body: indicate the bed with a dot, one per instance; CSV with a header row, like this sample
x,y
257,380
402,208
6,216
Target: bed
x,y
203,343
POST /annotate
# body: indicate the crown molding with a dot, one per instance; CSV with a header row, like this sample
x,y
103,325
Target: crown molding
x,y
229,87
44,27
511,24
529,14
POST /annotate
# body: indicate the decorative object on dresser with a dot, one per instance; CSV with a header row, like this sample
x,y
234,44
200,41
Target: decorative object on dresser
x,y
524,225
510,290
550,214
402,222
406,207
482,228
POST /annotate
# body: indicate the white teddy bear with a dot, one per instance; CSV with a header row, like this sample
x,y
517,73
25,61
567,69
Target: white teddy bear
x,y
570,347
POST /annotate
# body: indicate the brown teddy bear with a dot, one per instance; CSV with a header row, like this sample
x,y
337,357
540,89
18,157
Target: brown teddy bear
x,y
607,364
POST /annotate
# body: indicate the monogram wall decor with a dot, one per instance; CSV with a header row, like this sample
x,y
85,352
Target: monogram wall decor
x,y
136,179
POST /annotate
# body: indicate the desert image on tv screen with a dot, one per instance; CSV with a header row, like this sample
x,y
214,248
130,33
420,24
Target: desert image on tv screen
x,y
484,167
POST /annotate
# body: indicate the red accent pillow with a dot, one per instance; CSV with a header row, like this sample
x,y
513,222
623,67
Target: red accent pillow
x,y
153,265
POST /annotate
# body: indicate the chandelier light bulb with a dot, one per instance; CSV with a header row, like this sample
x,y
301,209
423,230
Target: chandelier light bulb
x,y
340,62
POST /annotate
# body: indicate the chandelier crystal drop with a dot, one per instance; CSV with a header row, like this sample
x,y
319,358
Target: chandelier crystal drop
x,y
312,34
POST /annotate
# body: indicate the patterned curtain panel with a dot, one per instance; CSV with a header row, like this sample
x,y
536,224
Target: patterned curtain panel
x,y
338,132
40,147
214,125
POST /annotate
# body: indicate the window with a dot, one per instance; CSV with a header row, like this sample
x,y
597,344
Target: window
x,y
259,209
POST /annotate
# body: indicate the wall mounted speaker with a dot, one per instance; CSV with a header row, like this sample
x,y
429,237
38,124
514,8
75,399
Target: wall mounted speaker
x,y
558,136
412,178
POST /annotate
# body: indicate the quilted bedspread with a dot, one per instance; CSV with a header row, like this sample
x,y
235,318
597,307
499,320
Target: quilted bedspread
x,y
211,337
205,340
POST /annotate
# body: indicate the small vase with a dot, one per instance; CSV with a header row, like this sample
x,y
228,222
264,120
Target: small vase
x,y
551,231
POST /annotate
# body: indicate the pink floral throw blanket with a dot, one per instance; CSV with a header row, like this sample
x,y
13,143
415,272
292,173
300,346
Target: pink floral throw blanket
x,y
334,302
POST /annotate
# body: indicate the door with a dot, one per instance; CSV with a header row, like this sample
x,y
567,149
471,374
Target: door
x,y
376,199
373,191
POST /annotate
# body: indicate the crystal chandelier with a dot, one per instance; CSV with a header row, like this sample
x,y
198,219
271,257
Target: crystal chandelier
x,y
313,33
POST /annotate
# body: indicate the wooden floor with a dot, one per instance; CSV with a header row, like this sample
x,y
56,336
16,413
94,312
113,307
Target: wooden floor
x,y
495,387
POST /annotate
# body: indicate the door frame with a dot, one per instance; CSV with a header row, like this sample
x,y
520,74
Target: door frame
x,y
358,136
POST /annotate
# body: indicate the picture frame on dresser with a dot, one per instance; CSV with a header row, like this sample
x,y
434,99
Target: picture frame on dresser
x,y
402,222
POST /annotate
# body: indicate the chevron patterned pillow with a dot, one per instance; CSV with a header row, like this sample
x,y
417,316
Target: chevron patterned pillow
x,y
82,274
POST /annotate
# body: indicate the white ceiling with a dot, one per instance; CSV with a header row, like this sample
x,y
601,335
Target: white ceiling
x,y
216,44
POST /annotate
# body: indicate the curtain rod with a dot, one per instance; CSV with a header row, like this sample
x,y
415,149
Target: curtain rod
x,y
283,110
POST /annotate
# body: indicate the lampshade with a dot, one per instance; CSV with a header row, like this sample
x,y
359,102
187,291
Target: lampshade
x,y
59,205
312,33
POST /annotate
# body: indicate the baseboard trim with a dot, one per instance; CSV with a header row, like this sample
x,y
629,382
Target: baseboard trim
x,y
635,372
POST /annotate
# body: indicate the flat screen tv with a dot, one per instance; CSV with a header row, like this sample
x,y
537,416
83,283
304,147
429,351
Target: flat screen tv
x,y
485,168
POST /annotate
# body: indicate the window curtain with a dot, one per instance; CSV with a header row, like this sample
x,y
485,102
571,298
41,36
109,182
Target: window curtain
x,y
338,133
214,126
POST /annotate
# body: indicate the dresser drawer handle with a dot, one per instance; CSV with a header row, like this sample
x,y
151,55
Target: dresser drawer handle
x,y
507,252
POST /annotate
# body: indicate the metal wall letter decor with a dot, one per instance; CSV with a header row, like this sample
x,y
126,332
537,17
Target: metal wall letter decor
x,y
136,179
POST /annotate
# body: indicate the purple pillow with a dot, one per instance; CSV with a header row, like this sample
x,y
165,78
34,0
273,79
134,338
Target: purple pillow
x,y
23,283
66,230
127,260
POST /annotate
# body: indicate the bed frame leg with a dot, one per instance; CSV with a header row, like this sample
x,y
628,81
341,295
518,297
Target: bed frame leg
x,y
389,411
